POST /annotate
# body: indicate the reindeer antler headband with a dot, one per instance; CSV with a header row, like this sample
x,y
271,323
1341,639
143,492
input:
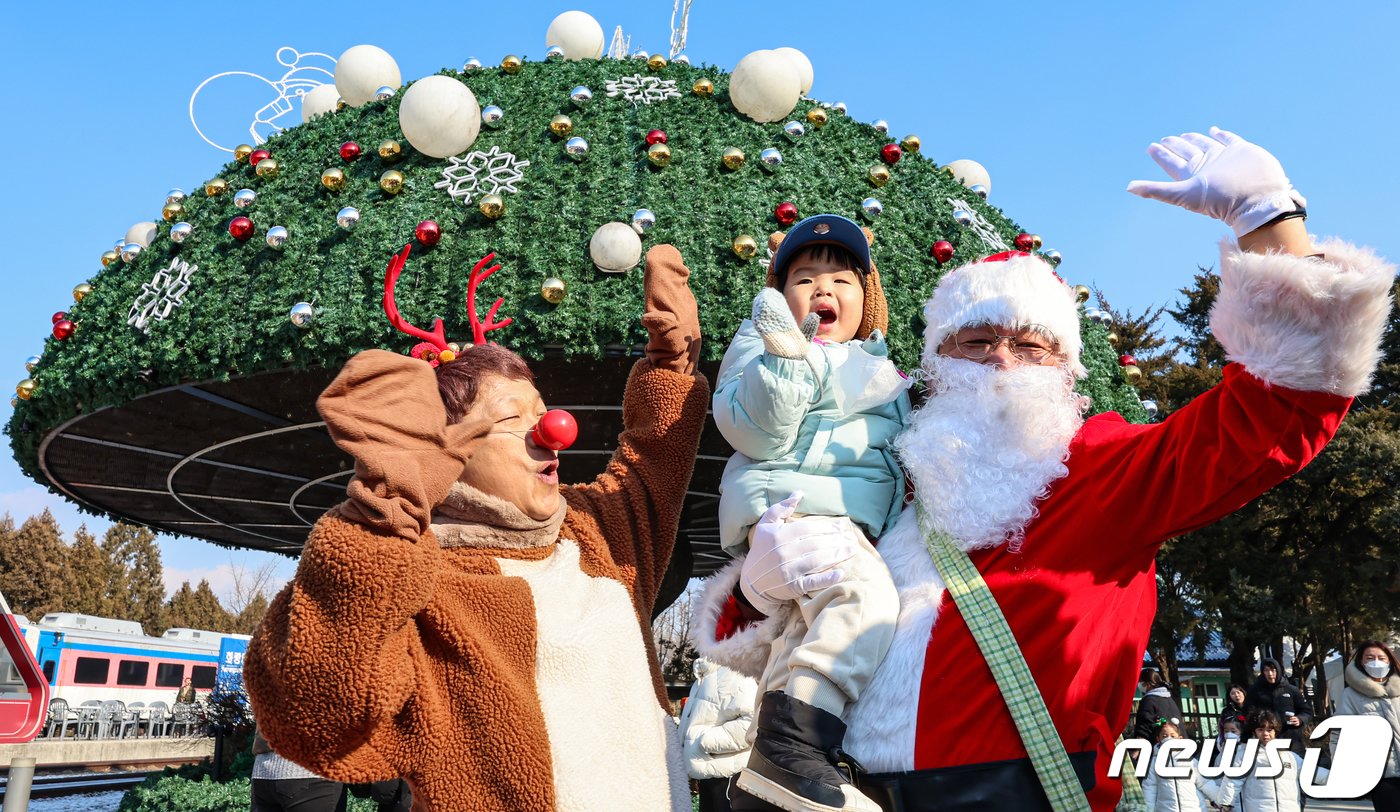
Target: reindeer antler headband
x,y
435,347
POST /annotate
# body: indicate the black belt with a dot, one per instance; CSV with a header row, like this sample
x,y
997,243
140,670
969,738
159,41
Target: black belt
x,y
993,785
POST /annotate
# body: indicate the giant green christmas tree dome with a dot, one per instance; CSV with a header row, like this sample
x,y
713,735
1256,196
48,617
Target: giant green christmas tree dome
x,y
184,397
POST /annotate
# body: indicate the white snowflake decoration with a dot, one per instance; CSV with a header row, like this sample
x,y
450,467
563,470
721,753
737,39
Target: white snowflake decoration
x,y
489,173
165,292
980,226
640,89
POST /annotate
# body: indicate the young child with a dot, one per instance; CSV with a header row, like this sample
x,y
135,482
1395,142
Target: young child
x,y
811,411
1163,794
1255,793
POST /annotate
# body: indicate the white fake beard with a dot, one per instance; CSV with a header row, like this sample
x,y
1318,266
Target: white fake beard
x,y
986,446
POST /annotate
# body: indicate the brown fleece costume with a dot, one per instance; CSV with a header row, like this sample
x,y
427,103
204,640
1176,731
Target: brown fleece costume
x,y
396,652
875,316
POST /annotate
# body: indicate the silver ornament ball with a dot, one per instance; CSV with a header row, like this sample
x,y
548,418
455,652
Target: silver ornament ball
x,y
244,198
771,158
347,217
881,126
131,251
181,232
471,65
643,220
962,217
302,314
384,92
118,246
31,363
1150,406
794,130
576,148
554,53
642,55
276,236
175,196
979,190
581,96
491,115
839,107
1053,257
872,207
681,59
1104,318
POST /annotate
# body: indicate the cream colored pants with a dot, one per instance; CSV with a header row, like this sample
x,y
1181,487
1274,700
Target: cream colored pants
x,y
831,646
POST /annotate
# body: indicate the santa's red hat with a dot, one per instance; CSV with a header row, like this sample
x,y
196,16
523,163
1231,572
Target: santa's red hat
x,y
1012,289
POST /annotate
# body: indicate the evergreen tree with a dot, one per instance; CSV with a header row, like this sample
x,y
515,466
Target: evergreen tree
x,y
87,576
135,586
35,567
197,608
247,620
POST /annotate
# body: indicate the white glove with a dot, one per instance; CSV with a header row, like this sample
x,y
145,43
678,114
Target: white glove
x,y
773,320
787,561
1222,176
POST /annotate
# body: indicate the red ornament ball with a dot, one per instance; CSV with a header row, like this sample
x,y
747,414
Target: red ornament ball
x,y
59,316
891,153
656,137
349,151
257,155
556,431
1024,242
428,233
786,213
1126,360
62,329
241,228
942,251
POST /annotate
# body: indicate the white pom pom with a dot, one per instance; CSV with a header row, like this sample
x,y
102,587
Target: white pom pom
x,y
577,33
615,247
439,116
970,173
765,86
318,101
800,61
362,70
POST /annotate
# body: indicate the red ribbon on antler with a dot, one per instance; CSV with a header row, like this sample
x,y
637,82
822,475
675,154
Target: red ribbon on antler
x,y
438,337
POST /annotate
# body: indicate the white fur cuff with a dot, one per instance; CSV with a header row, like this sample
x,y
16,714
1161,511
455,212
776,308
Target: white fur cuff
x,y
1305,323
745,651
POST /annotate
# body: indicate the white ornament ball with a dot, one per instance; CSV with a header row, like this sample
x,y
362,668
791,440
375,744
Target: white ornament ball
x,y
800,61
765,86
141,233
362,70
318,101
615,247
577,33
439,116
970,173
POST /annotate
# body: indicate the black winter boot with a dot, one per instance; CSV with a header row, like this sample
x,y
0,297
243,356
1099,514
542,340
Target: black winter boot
x,y
797,762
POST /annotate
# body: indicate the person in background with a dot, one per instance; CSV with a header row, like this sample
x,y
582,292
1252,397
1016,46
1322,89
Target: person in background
x,y
1275,693
1234,705
1373,689
281,785
1156,704
186,693
1254,793
714,730
1162,794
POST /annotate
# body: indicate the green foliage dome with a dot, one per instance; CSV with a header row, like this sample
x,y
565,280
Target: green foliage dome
x,y
233,322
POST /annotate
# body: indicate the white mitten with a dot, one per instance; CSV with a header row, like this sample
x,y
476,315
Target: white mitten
x,y
1221,175
774,322
787,561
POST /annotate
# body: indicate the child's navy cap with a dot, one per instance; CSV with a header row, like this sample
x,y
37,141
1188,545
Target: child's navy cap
x,y
832,229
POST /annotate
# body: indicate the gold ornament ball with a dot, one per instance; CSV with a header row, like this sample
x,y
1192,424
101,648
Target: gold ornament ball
x,y
455,347
26,388
561,125
733,158
267,168
1113,339
172,212
391,182
390,150
341,104
817,117
704,88
108,257
333,179
215,187
659,154
1132,373
1036,242
1081,293
511,64
745,247
241,153
492,206
911,143
879,174
553,290
80,291
656,62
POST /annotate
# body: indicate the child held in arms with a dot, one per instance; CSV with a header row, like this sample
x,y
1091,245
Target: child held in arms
x,y
808,397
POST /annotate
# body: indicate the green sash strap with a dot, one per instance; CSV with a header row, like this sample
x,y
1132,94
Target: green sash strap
x,y
985,620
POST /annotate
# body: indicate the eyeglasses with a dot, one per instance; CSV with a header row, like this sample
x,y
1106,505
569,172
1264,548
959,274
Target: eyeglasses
x,y
1031,345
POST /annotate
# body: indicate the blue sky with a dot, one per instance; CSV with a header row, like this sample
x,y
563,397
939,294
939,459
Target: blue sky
x,y
1058,101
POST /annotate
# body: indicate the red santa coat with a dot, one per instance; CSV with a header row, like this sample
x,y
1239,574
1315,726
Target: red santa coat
x,y
1080,595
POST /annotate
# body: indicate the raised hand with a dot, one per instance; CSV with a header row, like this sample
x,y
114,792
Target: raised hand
x,y
671,318
773,320
1221,175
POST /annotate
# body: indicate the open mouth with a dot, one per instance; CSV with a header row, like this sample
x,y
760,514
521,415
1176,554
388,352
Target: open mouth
x,y
549,472
826,313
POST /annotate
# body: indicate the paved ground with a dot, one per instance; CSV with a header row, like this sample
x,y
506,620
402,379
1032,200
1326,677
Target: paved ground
x,y
1314,805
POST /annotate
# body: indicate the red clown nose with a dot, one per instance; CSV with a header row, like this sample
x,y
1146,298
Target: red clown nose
x,y
557,430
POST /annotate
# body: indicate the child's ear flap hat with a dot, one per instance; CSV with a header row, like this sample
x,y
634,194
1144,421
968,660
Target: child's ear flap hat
x,y
833,229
